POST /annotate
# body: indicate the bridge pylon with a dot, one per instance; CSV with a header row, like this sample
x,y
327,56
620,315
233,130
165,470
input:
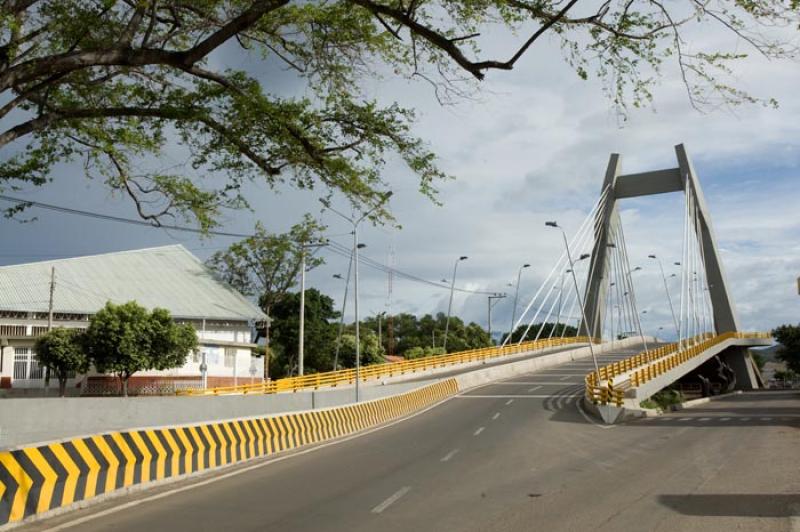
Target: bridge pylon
x,y
682,178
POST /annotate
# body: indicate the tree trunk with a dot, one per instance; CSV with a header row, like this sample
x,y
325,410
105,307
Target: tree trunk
x,y
124,380
62,385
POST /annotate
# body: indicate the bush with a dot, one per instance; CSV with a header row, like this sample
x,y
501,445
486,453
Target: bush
x,y
664,399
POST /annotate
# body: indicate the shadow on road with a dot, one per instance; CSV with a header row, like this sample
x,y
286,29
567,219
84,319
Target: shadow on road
x,y
734,505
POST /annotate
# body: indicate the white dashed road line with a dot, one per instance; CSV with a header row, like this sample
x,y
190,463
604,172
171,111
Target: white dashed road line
x,y
480,429
391,500
533,389
448,456
509,402
495,416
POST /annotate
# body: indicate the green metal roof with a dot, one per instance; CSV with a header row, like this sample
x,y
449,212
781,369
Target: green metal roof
x,y
167,277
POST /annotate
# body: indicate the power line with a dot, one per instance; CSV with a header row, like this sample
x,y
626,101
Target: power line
x,y
333,246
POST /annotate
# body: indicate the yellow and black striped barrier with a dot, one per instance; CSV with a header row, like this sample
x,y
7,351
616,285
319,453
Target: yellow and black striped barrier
x,y
34,480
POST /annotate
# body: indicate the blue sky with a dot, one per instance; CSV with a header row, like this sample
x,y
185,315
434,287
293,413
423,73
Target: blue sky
x,y
533,146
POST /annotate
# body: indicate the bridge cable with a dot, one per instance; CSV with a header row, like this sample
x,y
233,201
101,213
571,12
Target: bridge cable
x,y
556,267
578,243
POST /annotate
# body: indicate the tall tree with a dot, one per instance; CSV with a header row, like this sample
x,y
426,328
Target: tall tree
x,y
789,353
124,339
267,265
320,333
115,83
62,352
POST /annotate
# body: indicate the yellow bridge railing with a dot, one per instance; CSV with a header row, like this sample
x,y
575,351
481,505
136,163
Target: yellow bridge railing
x,y
653,363
388,369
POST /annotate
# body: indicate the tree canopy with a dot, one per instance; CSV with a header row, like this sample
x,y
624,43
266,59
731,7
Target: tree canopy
x,y
789,353
62,352
124,339
561,329
115,84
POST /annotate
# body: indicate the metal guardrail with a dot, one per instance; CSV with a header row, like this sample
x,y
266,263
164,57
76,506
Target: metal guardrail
x,y
654,363
389,369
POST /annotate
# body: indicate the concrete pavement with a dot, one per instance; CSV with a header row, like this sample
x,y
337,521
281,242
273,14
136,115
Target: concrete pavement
x,y
515,455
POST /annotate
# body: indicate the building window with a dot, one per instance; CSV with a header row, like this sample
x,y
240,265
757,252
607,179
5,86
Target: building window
x,y
26,364
230,357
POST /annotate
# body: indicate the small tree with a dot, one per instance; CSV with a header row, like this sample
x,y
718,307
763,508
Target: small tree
x,y
61,351
124,339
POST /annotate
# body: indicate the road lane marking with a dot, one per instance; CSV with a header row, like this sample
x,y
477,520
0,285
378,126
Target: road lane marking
x,y
724,419
391,500
685,419
533,389
509,402
269,460
480,429
704,419
766,419
448,456
565,377
745,419
495,416
516,396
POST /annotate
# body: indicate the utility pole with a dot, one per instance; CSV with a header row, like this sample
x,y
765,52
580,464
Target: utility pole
x,y
50,323
301,346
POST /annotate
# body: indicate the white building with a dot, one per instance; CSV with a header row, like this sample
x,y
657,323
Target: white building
x,y
167,277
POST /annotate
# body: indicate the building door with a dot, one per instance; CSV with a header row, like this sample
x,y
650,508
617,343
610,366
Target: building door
x,y
27,371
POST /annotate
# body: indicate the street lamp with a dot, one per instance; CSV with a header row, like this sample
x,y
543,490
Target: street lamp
x,y
635,310
490,297
577,292
450,305
516,297
341,317
356,246
666,289
301,340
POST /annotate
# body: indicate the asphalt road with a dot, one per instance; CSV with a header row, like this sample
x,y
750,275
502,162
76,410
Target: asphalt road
x,y
516,455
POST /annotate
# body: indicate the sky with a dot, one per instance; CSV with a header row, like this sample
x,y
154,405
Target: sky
x,y
532,146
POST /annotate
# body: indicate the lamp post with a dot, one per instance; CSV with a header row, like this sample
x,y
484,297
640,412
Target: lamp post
x,y
635,309
489,298
516,298
577,292
302,334
450,305
341,317
356,246
666,289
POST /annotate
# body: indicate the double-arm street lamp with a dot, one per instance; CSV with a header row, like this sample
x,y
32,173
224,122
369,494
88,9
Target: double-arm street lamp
x,y
577,293
356,246
450,305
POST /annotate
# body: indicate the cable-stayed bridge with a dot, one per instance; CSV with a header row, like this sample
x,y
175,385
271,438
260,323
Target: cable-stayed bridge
x,y
509,438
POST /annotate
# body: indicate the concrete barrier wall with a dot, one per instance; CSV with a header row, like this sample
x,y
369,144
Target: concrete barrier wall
x,y
45,479
25,421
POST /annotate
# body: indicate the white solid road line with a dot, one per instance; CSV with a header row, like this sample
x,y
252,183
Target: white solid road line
x,y
480,429
516,396
448,456
391,500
